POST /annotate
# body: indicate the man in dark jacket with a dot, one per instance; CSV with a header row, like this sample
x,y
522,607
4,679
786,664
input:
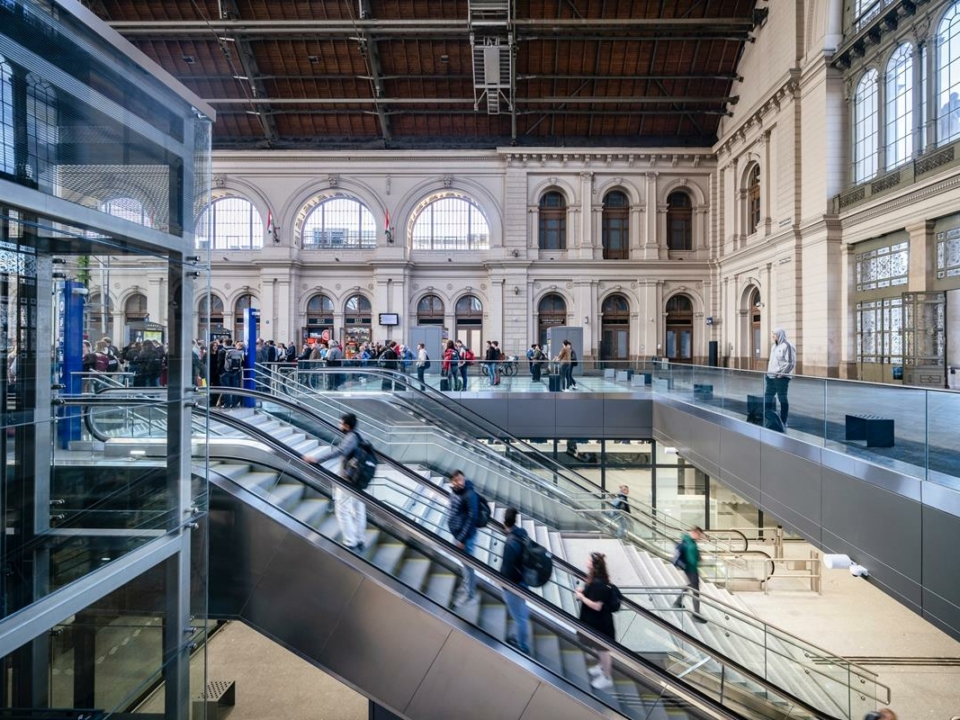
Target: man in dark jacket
x,y
462,515
689,561
389,360
512,569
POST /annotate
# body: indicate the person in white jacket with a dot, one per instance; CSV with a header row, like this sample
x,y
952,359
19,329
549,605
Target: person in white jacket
x,y
783,361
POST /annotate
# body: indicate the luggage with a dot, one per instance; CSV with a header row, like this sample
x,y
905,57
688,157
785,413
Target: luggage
x,y
553,383
444,384
772,421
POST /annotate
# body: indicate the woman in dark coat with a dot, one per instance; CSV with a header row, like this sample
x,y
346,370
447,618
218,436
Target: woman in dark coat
x,y
595,596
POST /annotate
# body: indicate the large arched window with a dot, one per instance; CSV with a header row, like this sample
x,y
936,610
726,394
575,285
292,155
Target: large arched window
x,y
358,322
209,317
865,128
340,222
243,302
230,223
6,117
449,222
430,310
127,208
679,221
469,317
319,317
899,111
753,199
553,221
948,76
678,345
551,312
615,328
615,226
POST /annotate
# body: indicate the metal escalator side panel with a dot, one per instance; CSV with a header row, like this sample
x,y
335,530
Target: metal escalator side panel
x,y
360,625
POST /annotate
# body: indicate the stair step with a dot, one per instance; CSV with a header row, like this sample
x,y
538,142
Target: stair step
x,y
441,586
413,572
311,511
546,647
286,496
493,618
388,555
257,481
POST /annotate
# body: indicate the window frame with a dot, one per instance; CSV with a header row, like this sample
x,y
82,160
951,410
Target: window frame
x,y
866,126
471,241
753,199
680,217
947,67
898,113
552,222
254,219
615,219
354,238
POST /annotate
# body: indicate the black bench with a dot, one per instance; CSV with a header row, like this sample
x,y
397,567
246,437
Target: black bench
x,y
219,695
876,430
755,409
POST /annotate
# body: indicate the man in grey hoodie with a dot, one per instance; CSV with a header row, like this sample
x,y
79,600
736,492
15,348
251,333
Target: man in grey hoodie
x,y
783,361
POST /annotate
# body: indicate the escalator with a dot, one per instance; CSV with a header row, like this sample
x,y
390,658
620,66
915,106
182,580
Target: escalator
x,y
380,622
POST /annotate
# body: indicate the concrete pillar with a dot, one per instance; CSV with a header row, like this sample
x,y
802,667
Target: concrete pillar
x,y
651,239
923,256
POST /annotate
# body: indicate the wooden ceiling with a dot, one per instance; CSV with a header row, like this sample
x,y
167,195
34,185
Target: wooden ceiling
x,y
401,73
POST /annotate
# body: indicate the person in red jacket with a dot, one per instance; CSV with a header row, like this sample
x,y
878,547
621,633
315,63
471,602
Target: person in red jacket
x,y
451,359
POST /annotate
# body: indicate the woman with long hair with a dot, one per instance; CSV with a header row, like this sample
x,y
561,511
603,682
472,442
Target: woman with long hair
x,y
595,596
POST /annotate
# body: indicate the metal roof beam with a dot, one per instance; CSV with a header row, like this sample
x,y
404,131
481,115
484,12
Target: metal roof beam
x,y
633,100
470,111
229,10
371,56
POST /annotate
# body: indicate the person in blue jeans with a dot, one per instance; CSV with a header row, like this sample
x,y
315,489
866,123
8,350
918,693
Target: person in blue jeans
x,y
512,569
462,516
491,358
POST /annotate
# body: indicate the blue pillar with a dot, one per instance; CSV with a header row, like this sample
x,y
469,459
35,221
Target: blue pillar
x,y
71,303
250,318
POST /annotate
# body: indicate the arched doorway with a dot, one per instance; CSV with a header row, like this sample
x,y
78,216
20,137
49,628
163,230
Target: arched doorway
x,y
243,302
756,336
615,329
319,318
678,345
357,322
430,310
551,312
135,315
469,317
210,318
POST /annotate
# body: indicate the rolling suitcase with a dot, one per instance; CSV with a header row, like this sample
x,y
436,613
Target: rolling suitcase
x,y
772,421
444,384
553,383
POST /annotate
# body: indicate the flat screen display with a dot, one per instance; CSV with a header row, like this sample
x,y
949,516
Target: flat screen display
x,y
389,319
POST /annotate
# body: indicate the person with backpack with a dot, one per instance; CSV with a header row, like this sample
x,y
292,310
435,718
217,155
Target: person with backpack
x,y
423,364
451,361
687,558
350,511
463,518
599,600
467,358
574,361
232,372
538,360
491,357
512,569
390,361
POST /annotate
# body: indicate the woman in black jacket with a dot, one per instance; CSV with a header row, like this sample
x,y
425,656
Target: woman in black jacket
x,y
595,597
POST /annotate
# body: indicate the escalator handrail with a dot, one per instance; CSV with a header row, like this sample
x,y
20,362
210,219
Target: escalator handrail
x,y
529,451
293,404
428,539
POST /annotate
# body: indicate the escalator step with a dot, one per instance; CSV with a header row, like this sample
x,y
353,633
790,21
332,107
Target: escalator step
x,y
547,649
493,618
387,556
471,611
654,709
329,527
574,665
286,496
441,586
413,572
231,470
311,511
627,694
257,482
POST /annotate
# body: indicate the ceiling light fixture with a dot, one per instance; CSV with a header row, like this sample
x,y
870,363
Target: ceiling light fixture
x,y
189,59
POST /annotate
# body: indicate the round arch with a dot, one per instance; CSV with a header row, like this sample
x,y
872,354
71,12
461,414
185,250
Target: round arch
x,y
679,341
561,185
615,310
313,203
552,308
686,185
238,187
293,208
357,322
430,309
467,208
632,191
488,204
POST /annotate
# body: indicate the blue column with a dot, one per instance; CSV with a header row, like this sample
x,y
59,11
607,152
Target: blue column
x,y
70,355
250,318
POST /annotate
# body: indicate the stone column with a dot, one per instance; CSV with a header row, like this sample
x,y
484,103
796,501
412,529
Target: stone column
x,y
651,239
923,256
766,171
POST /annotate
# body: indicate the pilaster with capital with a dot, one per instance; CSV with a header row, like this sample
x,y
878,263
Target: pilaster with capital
x,y
652,226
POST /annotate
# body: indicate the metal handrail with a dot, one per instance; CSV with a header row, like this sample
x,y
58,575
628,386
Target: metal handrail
x,y
293,404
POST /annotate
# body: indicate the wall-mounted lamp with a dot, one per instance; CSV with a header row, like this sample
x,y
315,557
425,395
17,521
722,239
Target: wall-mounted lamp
x,y
586,320
276,234
760,305
516,289
516,253
389,234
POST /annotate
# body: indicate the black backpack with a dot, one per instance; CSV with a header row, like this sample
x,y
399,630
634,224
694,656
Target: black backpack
x,y
234,361
483,511
615,599
537,564
573,358
362,465
426,363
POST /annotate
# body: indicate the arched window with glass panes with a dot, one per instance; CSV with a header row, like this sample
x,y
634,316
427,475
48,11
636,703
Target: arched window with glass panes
x,y
615,230
679,221
430,310
230,223
243,302
449,222
319,317
210,317
753,199
899,106
340,223
552,221
7,163
865,128
43,131
948,76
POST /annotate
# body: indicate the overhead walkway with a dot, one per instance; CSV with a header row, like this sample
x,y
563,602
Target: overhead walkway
x,y
826,683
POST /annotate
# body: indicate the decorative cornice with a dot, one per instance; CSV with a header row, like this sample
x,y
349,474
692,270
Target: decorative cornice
x,y
788,88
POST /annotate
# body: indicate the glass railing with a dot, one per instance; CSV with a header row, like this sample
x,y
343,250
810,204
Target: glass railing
x,y
424,503
398,502
408,418
906,429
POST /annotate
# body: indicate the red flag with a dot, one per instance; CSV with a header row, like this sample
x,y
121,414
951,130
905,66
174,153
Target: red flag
x,y
386,222
269,222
